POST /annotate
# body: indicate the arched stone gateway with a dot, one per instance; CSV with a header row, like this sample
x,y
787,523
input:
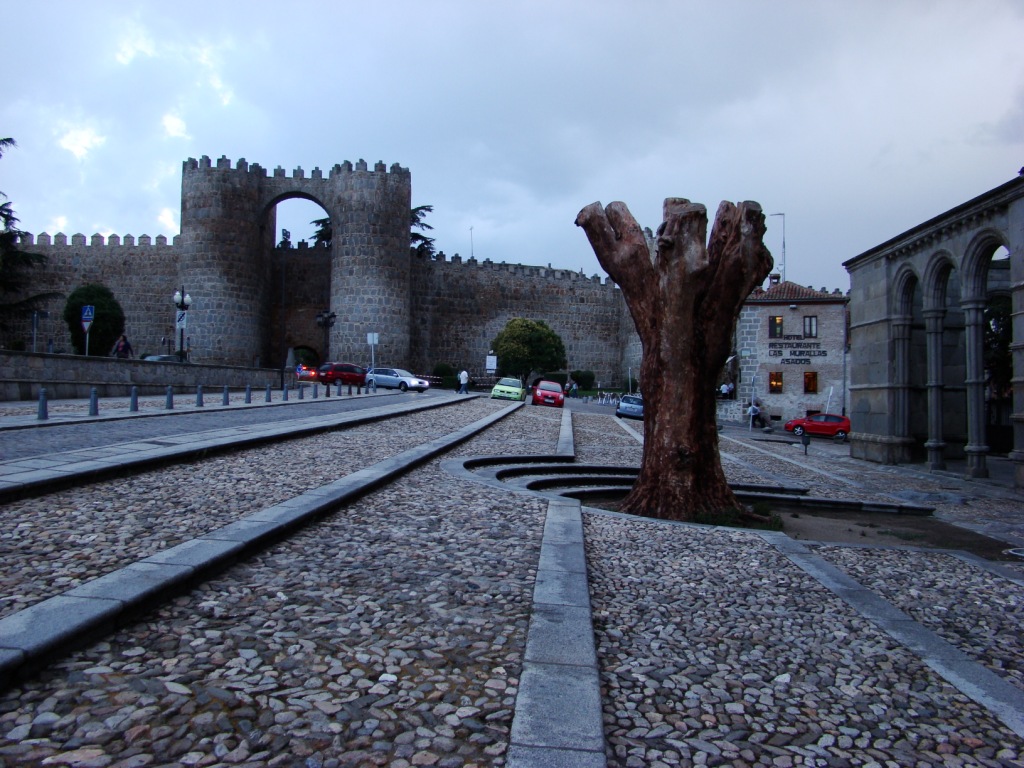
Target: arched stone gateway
x,y
919,387
227,245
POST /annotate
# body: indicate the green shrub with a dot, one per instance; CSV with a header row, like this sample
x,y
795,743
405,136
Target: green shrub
x,y
584,379
107,324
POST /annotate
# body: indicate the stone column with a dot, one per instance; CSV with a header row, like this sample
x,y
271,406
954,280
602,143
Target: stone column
x,y
901,375
976,449
933,323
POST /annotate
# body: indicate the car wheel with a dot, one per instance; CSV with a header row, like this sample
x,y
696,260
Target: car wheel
x,y
840,435
798,431
402,386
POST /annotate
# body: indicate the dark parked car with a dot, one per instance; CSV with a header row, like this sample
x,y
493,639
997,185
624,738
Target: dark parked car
x,y
396,378
630,407
827,424
345,373
548,393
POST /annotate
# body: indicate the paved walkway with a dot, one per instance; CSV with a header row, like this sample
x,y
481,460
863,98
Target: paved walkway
x,y
560,716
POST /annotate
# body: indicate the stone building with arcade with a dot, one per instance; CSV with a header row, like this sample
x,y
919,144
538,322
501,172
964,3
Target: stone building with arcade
x,y
921,306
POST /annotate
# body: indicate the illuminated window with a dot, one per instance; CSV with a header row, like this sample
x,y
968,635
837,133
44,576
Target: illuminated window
x,y
810,383
775,327
810,326
775,383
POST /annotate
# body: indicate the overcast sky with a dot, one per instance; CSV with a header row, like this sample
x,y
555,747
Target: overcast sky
x,y
857,120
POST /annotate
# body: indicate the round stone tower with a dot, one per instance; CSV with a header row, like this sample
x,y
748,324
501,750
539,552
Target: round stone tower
x,y
224,264
370,262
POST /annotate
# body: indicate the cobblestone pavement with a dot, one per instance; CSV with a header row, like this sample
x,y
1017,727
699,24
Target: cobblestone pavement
x,y
392,633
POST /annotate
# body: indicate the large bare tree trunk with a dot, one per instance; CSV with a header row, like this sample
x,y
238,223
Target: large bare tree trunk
x,y
684,300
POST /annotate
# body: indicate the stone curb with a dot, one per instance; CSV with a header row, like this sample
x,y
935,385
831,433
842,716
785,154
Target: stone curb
x,y
36,636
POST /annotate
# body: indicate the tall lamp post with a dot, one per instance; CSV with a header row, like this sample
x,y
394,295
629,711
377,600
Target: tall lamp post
x,y
182,301
783,270
326,320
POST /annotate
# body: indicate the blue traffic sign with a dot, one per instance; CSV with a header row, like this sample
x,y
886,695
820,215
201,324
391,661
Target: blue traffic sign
x,y
88,312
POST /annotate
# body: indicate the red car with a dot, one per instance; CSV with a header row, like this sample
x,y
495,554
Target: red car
x,y
827,424
345,373
548,393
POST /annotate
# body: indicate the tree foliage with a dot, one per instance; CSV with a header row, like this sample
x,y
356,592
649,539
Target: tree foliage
x,y
15,264
524,346
419,244
998,334
107,325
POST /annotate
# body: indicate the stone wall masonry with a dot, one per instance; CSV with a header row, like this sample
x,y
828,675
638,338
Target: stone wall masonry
x,y
141,273
460,307
22,374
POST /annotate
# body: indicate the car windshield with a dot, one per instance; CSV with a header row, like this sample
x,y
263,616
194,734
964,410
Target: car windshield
x,y
631,400
549,386
403,374
509,383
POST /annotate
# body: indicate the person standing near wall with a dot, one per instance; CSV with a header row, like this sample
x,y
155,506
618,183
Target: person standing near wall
x,y
464,382
122,349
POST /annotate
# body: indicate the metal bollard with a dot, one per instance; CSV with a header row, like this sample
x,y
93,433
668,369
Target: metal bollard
x,y
170,398
42,413
284,393
302,391
226,400
350,390
339,388
248,394
133,400
315,391
94,403
199,395
268,393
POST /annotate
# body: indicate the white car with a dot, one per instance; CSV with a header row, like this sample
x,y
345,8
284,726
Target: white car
x,y
396,378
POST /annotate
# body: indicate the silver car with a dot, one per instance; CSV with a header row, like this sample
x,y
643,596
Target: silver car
x,y
396,378
630,407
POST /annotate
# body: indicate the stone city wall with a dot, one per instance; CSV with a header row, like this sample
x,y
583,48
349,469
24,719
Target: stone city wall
x,y
458,308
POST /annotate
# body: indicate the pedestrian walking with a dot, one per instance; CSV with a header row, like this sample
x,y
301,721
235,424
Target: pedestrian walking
x,y
464,383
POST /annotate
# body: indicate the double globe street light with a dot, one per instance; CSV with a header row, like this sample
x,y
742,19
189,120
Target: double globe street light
x,y
326,320
182,301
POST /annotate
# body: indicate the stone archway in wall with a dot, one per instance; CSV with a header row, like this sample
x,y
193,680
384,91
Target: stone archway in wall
x,y
987,283
909,406
300,277
999,341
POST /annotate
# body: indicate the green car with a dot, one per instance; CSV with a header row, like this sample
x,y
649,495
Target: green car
x,y
508,389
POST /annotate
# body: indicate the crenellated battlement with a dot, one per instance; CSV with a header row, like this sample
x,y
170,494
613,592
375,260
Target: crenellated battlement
x,y
44,240
528,271
205,164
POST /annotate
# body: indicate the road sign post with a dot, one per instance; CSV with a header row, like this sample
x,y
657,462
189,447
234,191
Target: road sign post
x,y
88,315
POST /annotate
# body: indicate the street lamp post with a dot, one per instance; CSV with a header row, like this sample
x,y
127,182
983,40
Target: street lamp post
x,y
326,320
182,301
782,271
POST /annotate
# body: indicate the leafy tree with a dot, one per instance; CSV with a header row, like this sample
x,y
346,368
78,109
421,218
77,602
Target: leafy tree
x,y
998,334
322,236
15,264
684,302
524,346
107,325
585,379
420,245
